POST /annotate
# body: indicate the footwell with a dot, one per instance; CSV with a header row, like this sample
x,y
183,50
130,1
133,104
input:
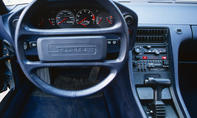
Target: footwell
x,y
39,106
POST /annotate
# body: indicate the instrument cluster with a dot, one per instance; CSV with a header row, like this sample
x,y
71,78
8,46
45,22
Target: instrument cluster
x,y
75,18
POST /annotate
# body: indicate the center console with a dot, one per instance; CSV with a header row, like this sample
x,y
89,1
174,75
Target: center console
x,y
150,54
152,72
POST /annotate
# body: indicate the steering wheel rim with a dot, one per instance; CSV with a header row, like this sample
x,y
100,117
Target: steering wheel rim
x,y
28,67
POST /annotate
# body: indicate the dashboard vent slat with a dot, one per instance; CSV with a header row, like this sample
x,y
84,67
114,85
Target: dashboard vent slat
x,y
153,35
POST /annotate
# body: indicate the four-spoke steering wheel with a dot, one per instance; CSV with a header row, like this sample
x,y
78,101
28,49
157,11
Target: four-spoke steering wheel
x,y
72,47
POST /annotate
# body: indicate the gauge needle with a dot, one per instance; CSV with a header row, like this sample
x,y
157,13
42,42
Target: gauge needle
x,y
50,22
62,21
99,20
108,20
82,21
83,25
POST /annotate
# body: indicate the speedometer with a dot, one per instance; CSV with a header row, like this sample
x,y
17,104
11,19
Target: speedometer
x,y
85,17
65,18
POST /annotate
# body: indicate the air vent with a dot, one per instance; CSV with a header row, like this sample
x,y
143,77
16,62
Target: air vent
x,y
160,111
152,35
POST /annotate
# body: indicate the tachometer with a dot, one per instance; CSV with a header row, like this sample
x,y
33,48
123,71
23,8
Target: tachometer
x,y
85,17
65,18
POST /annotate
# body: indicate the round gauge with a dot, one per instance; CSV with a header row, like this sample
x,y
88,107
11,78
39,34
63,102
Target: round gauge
x,y
51,21
85,17
65,19
104,20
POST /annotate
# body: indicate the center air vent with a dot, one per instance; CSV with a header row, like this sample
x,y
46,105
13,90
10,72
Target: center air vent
x,y
152,35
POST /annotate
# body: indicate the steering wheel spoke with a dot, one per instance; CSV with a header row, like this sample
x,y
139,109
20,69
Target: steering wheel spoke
x,y
26,30
33,65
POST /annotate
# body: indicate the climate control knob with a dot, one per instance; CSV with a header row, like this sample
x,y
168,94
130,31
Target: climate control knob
x,y
138,50
156,52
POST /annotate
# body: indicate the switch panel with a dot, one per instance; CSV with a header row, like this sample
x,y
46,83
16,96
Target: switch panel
x,y
150,57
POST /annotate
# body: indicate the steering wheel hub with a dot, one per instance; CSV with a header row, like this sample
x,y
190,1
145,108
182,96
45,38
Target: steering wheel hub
x,y
74,48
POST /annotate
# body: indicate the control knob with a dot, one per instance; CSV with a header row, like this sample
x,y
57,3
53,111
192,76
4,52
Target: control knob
x,y
138,50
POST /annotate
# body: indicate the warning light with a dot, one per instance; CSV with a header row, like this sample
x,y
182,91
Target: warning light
x,y
164,58
144,57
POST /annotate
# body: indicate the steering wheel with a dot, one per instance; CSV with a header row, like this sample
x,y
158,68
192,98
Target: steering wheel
x,y
89,49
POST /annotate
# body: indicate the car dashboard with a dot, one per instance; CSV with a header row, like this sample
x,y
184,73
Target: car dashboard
x,y
154,54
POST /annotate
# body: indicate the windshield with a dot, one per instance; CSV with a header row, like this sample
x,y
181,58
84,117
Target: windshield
x,y
15,2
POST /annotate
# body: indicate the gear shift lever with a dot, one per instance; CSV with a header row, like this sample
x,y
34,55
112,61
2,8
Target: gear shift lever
x,y
158,84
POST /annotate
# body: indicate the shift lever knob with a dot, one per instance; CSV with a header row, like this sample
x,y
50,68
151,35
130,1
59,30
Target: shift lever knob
x,y
157,81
